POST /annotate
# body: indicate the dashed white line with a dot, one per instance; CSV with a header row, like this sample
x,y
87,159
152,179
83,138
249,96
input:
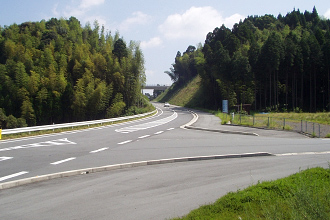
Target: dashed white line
x,y
63,161
99,150
5,158
125,142
13,175
145,136
159,132
170,129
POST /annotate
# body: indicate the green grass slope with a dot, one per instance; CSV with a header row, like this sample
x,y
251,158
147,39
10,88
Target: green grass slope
x,y
304,195
189,95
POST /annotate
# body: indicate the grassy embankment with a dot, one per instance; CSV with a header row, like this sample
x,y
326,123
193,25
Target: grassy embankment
x,y
304,195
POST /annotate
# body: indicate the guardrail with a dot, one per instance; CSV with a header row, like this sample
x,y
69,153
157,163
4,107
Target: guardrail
x,y
73,124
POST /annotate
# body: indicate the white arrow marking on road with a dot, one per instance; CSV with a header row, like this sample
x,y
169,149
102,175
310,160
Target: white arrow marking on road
x,y
99,150
63,141
13,175
63,161
5,158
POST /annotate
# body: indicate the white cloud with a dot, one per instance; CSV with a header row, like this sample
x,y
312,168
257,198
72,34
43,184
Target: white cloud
x,y
137,18
89,3
153,42
327,14
230,21
195,23
54,10
77,9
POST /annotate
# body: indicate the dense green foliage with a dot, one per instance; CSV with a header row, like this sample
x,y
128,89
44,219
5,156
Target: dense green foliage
x,y
58,71
272,63
304,195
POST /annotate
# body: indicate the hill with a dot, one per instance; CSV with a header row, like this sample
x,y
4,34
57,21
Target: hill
x,y
58,71
273,63
187,96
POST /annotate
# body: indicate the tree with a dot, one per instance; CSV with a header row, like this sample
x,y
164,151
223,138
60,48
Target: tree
x,y
28,113
120,49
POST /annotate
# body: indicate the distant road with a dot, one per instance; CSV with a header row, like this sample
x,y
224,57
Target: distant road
x,y
150,192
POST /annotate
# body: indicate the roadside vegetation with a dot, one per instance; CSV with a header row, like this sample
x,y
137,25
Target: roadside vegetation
x,y
319,117
58,71
304,195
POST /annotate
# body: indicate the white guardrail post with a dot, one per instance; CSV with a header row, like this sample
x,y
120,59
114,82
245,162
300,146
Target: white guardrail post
x,y
73,124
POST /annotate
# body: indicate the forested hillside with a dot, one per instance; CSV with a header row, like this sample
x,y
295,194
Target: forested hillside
x,y
58,71
274,63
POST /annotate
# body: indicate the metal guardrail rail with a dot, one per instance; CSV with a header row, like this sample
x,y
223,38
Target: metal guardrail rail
x,y
73,124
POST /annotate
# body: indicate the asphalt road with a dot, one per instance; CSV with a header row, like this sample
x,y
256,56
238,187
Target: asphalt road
x,y
150,192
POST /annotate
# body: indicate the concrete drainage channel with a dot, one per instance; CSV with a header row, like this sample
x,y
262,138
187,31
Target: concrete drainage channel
x,y
21,182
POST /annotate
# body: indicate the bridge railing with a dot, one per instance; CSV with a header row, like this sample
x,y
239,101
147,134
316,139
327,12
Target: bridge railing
x,y
154,85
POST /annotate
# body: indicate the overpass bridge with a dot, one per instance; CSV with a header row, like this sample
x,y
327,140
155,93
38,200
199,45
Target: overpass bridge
x,y
156,87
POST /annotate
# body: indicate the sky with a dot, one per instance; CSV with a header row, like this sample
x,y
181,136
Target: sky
x,y
161,27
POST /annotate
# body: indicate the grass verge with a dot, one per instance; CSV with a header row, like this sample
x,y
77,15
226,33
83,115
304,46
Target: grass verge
x,y
319,117
304,195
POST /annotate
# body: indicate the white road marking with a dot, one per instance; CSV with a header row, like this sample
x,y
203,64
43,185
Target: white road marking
x,y
63,161
159,132
147,125
145,136
62,141
170,129
13,175
125,142
99,150
303,153
5,158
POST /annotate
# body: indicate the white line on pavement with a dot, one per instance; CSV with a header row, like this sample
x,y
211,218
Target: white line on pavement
x,y
5,158
145,136
125,142
99,150
13,175
63,161
159,132
303,153
170,129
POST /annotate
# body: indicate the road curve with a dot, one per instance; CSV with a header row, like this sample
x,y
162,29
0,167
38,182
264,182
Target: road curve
x,y
146,192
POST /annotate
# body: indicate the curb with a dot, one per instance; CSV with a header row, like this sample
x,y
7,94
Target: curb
x,y
222,131
36,179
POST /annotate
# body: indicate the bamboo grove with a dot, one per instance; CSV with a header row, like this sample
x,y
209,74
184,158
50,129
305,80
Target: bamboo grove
x,y
274,64
58,71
